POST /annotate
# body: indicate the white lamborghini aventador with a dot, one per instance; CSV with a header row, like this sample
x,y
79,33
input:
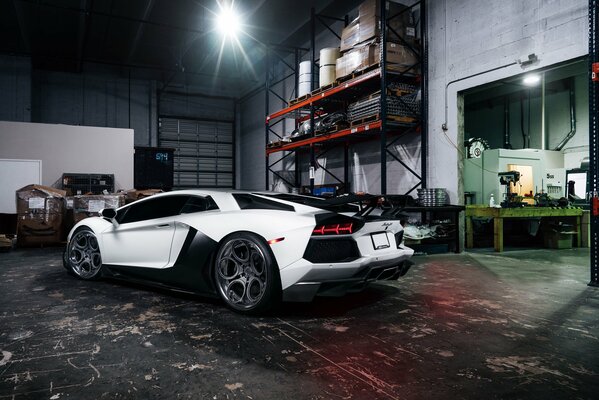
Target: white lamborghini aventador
x,y
253,249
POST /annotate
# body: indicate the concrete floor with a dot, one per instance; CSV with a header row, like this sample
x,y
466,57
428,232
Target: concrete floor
x,y
522,324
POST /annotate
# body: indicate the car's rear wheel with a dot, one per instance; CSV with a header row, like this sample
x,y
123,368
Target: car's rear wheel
x,y
246,274
83,257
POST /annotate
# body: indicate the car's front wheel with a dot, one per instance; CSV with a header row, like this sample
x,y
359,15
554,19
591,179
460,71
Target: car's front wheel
x,y
83,257
246,274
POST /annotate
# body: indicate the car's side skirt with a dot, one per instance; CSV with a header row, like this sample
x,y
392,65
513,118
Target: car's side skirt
x,y
192,272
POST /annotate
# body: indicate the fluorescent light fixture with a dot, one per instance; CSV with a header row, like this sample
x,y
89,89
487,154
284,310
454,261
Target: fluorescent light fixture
x,y
228,22
531,79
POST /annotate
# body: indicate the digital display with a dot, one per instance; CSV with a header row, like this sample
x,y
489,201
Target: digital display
x,y
162,157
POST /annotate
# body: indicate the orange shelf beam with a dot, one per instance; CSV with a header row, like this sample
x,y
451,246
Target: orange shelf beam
x,y
326,137
326,93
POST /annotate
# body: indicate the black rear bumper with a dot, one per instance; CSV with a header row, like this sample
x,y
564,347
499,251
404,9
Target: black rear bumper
x,y
306,291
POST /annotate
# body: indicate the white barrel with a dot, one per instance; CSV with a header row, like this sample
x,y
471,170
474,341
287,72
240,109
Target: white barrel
x,y
305,67
304,88
328,59
305,78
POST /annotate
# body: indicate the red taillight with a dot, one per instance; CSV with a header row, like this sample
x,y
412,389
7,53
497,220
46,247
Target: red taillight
x,y
334,229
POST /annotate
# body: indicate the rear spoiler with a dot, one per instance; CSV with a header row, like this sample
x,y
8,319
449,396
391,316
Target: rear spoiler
x,y
392,205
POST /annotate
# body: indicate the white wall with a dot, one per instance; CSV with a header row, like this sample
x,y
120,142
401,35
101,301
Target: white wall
x,y
468,37
73,149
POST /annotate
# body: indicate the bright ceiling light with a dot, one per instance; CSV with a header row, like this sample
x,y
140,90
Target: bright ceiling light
x,y
531,79
228,22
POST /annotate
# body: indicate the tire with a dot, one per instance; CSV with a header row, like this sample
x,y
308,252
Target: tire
x,y
246,274
82,257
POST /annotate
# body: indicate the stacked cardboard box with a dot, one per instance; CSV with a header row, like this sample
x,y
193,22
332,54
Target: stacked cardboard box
x,y
40,211
399,17
89,205
360,39
134,194
399,58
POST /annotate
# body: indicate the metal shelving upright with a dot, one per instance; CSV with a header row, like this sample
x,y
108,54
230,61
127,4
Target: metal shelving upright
x,y
272,82
378,77
594,136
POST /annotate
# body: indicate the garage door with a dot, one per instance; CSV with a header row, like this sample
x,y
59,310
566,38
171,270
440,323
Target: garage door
x,y
203,151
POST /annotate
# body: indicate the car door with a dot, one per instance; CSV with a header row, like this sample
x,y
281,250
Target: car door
x,y
144,233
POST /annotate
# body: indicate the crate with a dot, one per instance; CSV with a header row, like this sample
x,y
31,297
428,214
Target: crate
x,y
78,184
153,168
557,240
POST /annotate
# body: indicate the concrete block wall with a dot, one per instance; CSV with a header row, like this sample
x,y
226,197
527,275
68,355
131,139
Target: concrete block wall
x,y
15,86
472,37
101,96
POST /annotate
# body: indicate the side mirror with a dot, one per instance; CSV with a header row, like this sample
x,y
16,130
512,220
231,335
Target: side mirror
x,y
108,213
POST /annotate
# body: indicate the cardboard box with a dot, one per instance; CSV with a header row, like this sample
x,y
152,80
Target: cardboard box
x,y
39,199
45,231
90,205
398,15
399,58
368,25
557,240
350,35
585,229
359,31
134,194
369,28
355,60
40,212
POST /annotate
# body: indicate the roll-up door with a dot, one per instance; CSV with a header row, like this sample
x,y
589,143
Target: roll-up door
x,y
203,151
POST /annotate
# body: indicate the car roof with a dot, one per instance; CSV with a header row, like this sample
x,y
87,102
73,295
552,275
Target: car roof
x,y
225,200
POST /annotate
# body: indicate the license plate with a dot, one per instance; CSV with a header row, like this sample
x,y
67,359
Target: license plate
x,y
380,240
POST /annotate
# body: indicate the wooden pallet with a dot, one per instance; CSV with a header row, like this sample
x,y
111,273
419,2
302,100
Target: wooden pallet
x,y
365,120
322,89
356,74
301,98
277,143
402,119
337,128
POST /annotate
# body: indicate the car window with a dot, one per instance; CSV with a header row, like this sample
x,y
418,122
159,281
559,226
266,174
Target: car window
x,y
251,202
160,207
198,204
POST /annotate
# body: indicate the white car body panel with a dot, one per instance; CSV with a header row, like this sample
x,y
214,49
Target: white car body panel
x,y
158,243
148,243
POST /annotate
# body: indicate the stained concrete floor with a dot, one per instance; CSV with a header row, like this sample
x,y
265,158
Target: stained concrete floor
x,y
522,324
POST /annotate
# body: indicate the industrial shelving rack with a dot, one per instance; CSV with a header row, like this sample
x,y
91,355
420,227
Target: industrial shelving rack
x,y
594,136
376,77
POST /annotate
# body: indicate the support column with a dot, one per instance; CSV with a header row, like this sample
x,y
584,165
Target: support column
x,y
594,136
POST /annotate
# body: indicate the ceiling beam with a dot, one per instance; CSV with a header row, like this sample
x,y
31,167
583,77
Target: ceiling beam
x,y
22,25
140,29
110,15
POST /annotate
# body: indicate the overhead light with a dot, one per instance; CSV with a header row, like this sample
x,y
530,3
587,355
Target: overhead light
x,y
228,22
531,79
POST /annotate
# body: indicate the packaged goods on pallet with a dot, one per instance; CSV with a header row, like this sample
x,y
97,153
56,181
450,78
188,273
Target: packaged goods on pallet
x,y
367,25
355,60
40,211
407,106
89,206
399,58
76,184
135,194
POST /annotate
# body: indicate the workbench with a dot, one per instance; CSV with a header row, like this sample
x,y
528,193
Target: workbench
x,y
499,214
